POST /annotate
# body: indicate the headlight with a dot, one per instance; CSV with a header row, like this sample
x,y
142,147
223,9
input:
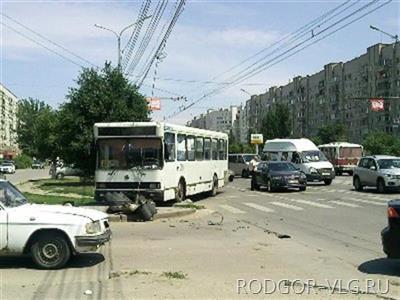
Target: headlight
x,y
313,170
93,227
389,176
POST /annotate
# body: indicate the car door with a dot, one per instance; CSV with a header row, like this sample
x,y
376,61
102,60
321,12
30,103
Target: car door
x,y
258,173
372,172
361,170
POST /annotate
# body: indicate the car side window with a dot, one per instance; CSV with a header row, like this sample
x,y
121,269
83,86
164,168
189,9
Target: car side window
x,y
364,163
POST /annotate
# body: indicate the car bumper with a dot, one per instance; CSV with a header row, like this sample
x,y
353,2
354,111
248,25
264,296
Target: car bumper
x,y
95,240
277,184
319,177
391,242
155,195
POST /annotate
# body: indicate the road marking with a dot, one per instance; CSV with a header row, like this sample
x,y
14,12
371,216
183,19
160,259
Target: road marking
x,y
231,197
252,195
312,203
367,201
285,205
259,207
232,209
344,204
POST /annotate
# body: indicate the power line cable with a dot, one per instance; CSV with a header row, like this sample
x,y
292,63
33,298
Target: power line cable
x,y
42,45
48,40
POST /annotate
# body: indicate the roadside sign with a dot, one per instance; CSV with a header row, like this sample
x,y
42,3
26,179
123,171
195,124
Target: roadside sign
x,y
154,103
256,139
377,104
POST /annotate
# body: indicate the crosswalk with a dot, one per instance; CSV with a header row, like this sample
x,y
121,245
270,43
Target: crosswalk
x,y
338,198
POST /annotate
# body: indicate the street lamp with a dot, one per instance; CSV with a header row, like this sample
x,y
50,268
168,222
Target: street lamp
x,y
395,37
118,36
244,91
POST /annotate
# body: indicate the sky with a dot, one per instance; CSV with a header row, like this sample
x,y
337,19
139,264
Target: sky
x,y
209,38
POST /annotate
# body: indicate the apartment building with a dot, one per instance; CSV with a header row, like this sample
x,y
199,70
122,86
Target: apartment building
x,y
340,93
223,120
8,123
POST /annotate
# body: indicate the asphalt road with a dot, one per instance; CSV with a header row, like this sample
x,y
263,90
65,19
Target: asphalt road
x,y
27,174
325,234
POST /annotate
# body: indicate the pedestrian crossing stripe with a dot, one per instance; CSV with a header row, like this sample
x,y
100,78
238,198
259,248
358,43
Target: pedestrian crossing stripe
x,y
367,201
312,203
285,205
232,209
344,203
259,207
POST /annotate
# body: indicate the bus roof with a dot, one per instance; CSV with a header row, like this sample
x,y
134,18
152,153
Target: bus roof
x,y
166,127
289,145
340,144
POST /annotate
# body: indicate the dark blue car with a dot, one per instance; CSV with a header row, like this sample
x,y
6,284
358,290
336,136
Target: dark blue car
x,y
276,175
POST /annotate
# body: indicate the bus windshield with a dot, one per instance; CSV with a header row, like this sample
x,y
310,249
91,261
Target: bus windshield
x,y
128,153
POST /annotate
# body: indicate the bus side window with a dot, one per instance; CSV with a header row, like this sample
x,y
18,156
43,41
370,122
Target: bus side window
x,y
207,148
214,149
169,142
191,150
221,149
199,148
181,147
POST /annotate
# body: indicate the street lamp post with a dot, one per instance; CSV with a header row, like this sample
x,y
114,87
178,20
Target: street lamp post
x,y
395,37
118,36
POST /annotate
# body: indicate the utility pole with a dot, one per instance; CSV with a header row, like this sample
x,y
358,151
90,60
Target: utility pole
x,y
118,36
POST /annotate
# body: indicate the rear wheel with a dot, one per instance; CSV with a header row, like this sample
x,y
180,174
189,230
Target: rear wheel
x,y
381,186
50,251
328,181
180,193
357,184
214,188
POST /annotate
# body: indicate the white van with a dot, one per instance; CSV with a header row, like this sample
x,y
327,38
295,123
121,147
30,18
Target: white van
x,y
304,155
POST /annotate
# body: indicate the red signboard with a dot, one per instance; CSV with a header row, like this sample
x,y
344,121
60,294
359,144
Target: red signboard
x,y
377,104
154,103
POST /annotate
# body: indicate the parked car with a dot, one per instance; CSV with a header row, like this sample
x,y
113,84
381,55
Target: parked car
x,y
391,234
380,171
67,170
240,163
278,175
49,233
7,167
37,164
304,155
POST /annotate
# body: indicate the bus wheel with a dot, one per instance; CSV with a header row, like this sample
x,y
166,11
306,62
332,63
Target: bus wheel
x,y
180,191
214,188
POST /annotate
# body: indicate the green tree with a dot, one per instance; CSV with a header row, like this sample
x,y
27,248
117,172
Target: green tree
x,y
277,122
381,143
35,128
331,133
100,96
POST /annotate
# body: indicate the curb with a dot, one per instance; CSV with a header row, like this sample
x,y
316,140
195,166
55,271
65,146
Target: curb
x,y
160,215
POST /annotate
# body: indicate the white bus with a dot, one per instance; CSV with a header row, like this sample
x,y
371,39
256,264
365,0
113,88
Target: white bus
x,y
161,161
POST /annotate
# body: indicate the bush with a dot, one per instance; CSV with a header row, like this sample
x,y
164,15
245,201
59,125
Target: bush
x,y
23,161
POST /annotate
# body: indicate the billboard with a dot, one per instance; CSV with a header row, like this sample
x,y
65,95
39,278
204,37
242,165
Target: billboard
x,y
256,139
154,103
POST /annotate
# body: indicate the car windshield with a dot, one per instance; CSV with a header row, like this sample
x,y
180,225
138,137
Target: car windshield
x,y
130,153
389,163
282,167
10,196
313,156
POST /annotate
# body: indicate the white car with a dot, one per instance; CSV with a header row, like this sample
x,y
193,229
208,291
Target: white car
x,y
49,233
8,168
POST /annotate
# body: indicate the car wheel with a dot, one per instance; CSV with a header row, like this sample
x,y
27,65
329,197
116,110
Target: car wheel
x,y
50,251
214,188
60,176
328,181
231,178
180,191
381,186
357,184
302,189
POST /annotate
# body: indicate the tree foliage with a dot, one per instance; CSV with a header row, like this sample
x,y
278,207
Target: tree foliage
x,y
277,122
100,96
382,143
35,129
331,133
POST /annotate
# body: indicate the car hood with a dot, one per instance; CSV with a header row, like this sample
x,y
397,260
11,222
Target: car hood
x,y
63,210
319,165
395,171
284,173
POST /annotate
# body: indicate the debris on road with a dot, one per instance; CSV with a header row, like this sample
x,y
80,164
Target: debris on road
x,y
213,222
88,292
